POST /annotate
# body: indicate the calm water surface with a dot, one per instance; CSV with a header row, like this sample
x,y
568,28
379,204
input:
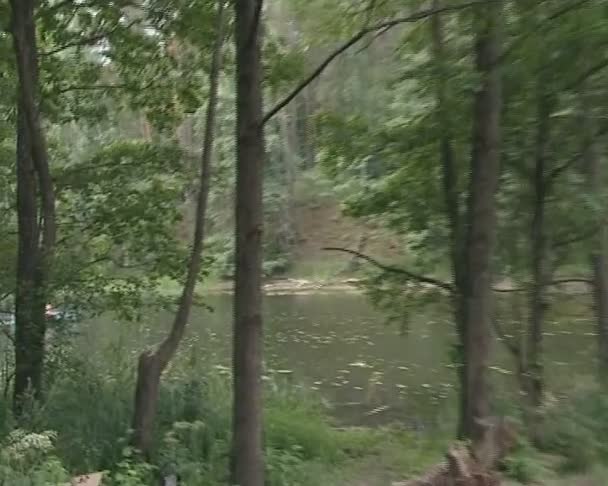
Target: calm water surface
x,y
367,370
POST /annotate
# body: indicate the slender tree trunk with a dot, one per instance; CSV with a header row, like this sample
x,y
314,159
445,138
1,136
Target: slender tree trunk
x,y
452,205
247,465
599,263
533,368
599,252
152,363
481,217
36,228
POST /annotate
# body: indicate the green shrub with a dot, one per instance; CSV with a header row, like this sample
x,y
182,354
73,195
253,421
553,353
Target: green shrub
x,y
299,428
524,464
27,459
576,429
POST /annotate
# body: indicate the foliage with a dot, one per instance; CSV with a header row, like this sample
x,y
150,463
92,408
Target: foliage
x,y
524,464
575,428
27,459
88,407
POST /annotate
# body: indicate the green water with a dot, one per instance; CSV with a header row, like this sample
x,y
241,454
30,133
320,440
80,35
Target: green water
x,y
369,372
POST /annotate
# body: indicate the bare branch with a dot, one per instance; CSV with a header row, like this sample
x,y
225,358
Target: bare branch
x,y
389,268
373,39
6,295
7,334
386,25
108,87
587,281
93,87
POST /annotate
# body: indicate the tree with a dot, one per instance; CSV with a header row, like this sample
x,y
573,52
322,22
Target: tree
x,y
153,363
37,231
481,216
247,467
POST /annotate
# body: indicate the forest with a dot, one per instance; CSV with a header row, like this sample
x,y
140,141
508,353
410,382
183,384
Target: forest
x,y
303,242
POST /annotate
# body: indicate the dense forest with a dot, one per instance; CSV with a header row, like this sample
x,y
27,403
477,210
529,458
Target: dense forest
x,y
303,242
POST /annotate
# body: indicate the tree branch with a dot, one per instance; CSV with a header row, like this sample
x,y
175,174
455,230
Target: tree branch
x,y
389,268
7,334
555,15
88,41
6,295
587,74
587,281
93,87
386,25
568,163
574,239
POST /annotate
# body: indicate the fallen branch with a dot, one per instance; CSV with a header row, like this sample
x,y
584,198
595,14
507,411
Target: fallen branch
x,y
389,268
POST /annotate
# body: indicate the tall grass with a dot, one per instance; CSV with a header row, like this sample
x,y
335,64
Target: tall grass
x,y
88,410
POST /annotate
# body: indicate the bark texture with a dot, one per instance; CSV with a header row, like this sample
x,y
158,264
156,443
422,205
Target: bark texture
x,y
152,363
599,251
481,217
35,208
540,262
451,203
247,467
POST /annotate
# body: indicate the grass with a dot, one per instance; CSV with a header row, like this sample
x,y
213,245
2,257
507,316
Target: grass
x,y
88,410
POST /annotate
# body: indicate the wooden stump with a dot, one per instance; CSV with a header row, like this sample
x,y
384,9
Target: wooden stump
x,y
472,465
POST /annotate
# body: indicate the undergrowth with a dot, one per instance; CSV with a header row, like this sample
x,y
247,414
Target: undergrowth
x,y
83,426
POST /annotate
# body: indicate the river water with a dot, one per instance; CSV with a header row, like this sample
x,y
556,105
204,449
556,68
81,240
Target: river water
x,y
369,371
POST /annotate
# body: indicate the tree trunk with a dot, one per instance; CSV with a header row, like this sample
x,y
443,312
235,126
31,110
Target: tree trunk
x,y
30,325
481,217
247,467
599,252
36,228
451,204
152,363
532,364
599,262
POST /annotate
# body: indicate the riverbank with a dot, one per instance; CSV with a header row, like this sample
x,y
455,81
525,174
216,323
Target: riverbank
x,y
282,286
304,286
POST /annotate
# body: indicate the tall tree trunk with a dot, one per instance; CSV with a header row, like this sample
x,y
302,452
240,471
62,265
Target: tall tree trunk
x,y
451,204
532,364
599,252
599,263
36,228
481,217
30,325
247,467
152,363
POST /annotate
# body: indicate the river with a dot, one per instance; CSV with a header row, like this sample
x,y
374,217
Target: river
x,y
368,371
